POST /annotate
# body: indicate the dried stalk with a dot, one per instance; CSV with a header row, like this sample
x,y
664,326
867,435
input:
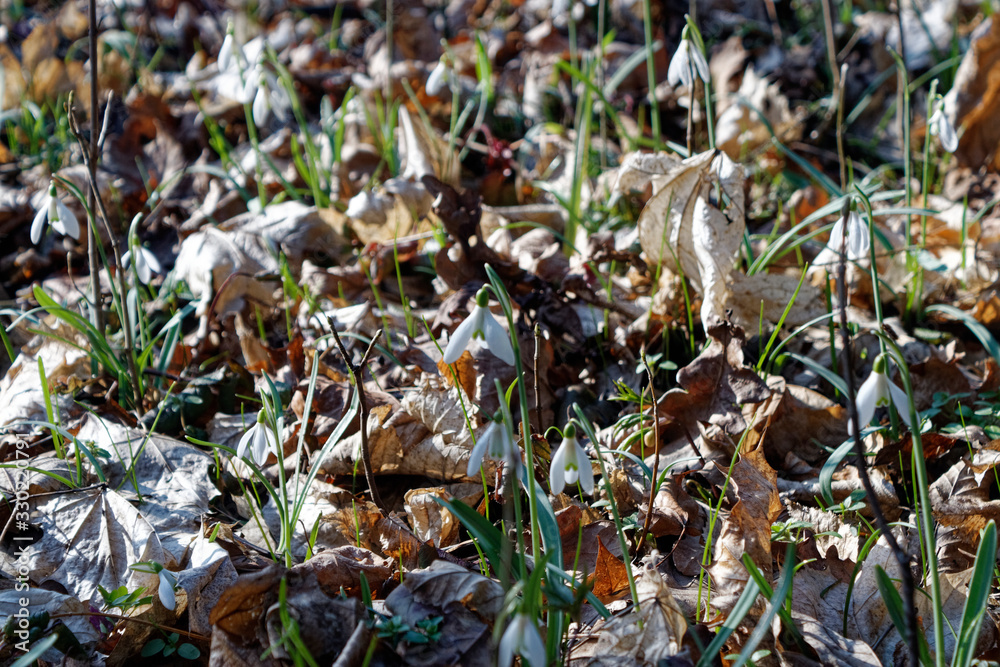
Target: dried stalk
x,y
132,619
906,574
357,376
122,287
656,458
92,240
538,395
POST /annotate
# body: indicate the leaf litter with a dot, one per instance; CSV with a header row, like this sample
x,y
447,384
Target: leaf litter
x,y
679,299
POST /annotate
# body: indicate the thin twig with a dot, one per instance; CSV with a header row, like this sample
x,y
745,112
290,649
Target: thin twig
x,y
906,574
357,375
538,396
130,619
840,127
656,458
92,238
122,291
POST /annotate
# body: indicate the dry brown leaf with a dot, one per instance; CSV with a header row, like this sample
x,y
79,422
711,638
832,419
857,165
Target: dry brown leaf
x,y
672,509
468,604
962,507
716,384
974,98
747,529
768,294
433,523
610,575
623,640
220,266
680,227
340,569
90,538
800,421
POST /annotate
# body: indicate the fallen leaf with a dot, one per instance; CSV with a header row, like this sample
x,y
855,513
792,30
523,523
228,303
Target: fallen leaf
x,y
715,385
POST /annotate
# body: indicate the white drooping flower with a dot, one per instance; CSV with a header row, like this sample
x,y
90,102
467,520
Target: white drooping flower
x,y
480,324
879,391
269,96
146,263
168,582
225,59
521,638
497,444
259,439
569,464
437,79
54,212
688,61
940,126
858,237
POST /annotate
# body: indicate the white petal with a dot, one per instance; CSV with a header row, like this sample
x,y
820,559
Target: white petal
x,y
250,85
68,222
584,470
127,259
858,240
38,224
867,398
902,403
507,644
947,135
557,480
701,67
501,445
142,269
241,449
167,591
280,102
150,259
262,443
572,461
460,339
261,107
476,457
226,53
532,648
497,340
435,82
586,476
679,70
836,236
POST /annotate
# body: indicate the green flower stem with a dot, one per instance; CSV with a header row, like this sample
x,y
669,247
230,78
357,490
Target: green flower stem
x,y
924,512
522,392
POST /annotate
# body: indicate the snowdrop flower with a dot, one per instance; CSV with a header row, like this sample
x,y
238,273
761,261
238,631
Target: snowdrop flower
x,y
269,96
259,439
146,263
940,126
878,391
569,464
858,238
688,57
56,213
226,51
480,324
168,581
496,441
437,79
521,637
